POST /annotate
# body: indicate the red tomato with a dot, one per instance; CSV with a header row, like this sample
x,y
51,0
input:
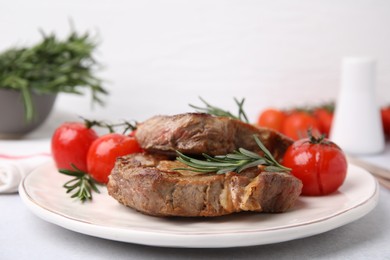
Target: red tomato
x,y
319,163
132,133
104,151
272,118
385,113
324,118
297,123
70,143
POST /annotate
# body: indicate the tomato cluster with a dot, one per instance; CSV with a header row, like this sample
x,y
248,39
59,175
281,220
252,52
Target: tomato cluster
x,y
78,144
295,122
319,163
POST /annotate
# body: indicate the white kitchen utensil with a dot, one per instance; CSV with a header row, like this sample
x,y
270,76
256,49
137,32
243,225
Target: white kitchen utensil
x,y
357,126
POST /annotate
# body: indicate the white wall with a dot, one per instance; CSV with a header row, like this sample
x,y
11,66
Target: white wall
x,y
277,53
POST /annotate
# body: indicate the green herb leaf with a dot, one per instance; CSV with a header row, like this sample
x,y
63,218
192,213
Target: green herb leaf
x,y
81,185
216,111
52,66
235,162
125,125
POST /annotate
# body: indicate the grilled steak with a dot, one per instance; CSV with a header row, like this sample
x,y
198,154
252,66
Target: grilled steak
x,y
149,184
197,133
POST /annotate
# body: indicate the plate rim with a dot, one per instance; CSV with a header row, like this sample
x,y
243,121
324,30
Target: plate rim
x,y
197,240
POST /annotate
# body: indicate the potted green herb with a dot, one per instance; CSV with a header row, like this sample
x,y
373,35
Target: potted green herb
x,y
31,78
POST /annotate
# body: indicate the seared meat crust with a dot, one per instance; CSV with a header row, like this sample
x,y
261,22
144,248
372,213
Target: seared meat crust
x,y
197,133
149,184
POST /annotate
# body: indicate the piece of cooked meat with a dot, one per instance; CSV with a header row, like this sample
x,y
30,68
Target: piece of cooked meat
x,y
149,184
197,133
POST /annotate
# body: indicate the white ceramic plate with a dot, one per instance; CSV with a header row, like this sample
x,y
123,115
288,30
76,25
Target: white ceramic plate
x,y
104,217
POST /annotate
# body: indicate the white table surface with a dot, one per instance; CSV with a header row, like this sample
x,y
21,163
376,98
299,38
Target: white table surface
x,y
25,236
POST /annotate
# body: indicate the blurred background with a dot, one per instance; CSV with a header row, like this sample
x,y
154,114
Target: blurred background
x,y
159,56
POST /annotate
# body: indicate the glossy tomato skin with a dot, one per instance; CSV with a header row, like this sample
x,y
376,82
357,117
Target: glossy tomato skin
x,y
385,114
272,118
322,167
104,151
70,144
297,123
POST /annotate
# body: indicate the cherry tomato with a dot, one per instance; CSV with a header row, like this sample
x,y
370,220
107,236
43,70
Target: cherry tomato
x,y
70,143
324,118
104,151
272,118
385,113
319,163
132,133
298,123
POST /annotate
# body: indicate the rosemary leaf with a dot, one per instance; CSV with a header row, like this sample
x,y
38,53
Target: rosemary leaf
x,y
52,66
81,185
196,165
251,164
272,168
216,111
249,153
241,113
219,158
235,156
233,162
71,173
263,148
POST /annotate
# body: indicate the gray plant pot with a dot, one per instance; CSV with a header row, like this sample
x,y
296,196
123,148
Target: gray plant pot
x,y
12,117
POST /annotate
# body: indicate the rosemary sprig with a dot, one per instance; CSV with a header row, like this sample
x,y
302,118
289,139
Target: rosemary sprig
x,y
234,162
216,111
82,184
52,65
126,125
